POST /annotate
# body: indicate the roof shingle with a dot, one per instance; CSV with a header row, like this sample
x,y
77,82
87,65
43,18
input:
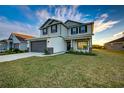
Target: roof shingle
x,y
22,37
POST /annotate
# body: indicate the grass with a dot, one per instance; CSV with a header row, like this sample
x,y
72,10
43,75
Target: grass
x,y
106,69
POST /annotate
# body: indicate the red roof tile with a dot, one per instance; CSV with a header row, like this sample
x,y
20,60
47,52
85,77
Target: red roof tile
x,y
22,35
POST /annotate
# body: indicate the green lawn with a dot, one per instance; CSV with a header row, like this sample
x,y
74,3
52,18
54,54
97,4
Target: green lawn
x,y
106,69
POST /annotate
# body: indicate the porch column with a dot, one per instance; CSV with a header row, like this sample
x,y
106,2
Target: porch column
x,y
90,45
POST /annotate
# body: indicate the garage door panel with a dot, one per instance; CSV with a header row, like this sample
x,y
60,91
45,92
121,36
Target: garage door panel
x,y
38,46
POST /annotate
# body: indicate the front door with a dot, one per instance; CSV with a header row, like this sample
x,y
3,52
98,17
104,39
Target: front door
x,y
68,45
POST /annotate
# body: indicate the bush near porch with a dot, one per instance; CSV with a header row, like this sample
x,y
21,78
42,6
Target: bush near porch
x,y
81,53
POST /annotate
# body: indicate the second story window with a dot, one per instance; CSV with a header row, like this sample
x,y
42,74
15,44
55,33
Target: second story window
x,y
74,30
53,28
82,29
44,31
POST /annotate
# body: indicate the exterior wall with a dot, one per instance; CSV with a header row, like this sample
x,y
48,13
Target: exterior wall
x,y
51,34
89,31
14,39
29,44
58,44
3,46
23,46
115,46
63,31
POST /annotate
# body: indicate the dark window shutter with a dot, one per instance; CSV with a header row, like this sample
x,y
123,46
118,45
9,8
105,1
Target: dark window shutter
x,y
51,29
79,29
43,31
86,28
46,31
56,28
71,30
76,30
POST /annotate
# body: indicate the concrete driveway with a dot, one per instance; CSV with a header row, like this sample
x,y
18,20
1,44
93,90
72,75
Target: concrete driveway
x,y
11,57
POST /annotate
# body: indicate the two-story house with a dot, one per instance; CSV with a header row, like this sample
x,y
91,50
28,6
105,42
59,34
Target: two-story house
x,y
57,36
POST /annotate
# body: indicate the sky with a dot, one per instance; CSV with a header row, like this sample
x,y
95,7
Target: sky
x,y
108,20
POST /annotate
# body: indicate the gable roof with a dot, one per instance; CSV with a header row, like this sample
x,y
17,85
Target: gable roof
x,y
117,40
50,20
73,21
22,37
79,22
45,23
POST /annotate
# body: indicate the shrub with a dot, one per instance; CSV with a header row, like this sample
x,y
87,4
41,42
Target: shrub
x,y
9,51
82,53
17,51
98,47
46,51
13,51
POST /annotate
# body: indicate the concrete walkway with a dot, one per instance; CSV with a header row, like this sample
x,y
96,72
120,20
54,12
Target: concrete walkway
x,y
11,57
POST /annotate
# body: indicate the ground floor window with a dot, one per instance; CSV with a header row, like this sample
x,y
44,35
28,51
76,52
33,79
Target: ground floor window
x,y
82,44
16,46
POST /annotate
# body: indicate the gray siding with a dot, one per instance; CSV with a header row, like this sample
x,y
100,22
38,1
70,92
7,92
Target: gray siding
x,y
115,46
89,31
49,32
64,31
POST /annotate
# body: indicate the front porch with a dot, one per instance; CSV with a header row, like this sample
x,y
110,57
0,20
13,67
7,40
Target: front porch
x,y
11,45
81,45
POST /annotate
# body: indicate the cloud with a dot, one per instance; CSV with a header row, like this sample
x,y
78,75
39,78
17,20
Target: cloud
x,y
103,41
105,15
62,13
2,18
43,14
108,39
7,27
102,24
119,34
27,11
100,42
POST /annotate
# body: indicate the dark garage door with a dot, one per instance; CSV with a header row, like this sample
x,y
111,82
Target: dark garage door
x,y
38,46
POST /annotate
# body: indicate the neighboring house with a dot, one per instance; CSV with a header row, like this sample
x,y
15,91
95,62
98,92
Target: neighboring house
x,y
57,36
15,41
3,45
117,44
